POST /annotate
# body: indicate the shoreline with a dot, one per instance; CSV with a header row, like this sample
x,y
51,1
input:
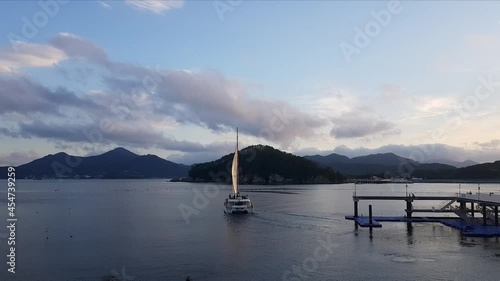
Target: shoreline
x,y
468,181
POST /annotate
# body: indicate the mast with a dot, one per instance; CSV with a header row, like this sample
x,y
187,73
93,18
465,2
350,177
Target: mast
x,y
234,170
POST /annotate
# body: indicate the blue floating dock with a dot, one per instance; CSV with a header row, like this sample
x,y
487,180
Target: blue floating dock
x,y
365,222
473,230
467,230
399,219
483,231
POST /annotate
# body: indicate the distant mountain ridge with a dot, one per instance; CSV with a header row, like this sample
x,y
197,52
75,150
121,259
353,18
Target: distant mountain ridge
x,y
487,171
269,166
381,164
457,164
117,163
390,164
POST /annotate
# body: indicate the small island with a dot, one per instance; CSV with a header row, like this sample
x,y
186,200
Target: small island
x,y
262,164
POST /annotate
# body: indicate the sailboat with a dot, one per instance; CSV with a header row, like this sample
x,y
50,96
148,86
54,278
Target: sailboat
x,y
236,203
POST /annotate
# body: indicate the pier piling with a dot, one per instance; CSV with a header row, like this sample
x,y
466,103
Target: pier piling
x,y
409,208
496,215
370,214
355,208
484,215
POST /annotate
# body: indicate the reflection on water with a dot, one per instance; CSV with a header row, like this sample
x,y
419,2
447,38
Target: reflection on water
x,y
236,226
409,233
97,227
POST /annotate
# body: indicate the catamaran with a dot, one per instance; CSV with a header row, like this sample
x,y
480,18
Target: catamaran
x,y
236,203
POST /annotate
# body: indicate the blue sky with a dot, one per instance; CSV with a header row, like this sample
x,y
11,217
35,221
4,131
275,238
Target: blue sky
x,y
276,69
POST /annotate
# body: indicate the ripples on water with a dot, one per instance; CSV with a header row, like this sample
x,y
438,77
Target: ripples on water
x,y
123,229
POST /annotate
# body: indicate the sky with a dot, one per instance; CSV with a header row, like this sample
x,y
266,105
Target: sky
x,y
175,78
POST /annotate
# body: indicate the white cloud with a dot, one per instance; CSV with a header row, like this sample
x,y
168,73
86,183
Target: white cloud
x,y
76,47
29,55
428,104
155,6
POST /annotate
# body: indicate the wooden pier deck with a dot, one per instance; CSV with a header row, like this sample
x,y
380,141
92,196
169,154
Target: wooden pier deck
x,y
409,197
484,198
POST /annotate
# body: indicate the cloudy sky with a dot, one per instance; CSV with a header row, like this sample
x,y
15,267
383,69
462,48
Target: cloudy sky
x,y
175,78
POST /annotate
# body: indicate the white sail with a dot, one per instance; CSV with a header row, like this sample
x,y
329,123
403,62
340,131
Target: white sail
x,y
234,170
236,203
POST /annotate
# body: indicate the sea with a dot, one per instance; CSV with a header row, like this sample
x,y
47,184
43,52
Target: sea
x,y
159,230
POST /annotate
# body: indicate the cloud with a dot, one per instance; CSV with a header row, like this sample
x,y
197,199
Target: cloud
x,y
77,47
360,123
211,100
204,98
9,132
155,6
117,133
492,144
28,55
311,151
114,134
17,158
138,102
441,104
23,96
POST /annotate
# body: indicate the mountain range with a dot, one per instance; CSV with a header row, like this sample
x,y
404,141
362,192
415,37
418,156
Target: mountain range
x,y
385,164
388,165
268,165
117,163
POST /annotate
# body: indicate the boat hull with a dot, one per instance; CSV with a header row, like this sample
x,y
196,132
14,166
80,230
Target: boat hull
x,y
240,210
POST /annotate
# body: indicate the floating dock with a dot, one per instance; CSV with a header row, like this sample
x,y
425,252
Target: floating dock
x,y
477,214
365,222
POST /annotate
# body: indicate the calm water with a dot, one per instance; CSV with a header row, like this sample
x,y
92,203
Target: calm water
x,y
134,230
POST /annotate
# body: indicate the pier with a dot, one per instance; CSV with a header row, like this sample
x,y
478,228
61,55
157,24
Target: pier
x,y
476,214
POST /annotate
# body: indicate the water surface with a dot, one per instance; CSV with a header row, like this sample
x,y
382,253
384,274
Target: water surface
x,y
134,230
